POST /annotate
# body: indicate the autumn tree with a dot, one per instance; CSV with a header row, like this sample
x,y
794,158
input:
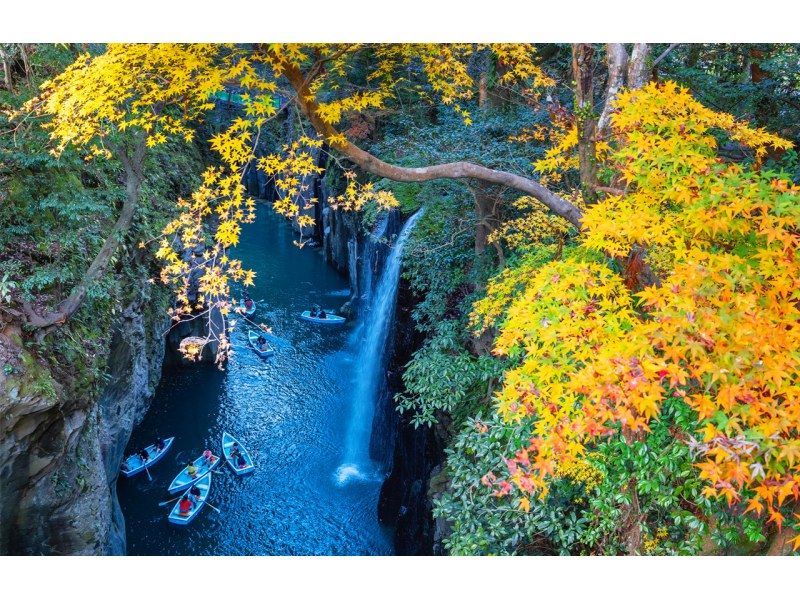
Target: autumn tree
x,y
134,96
679,305
599,359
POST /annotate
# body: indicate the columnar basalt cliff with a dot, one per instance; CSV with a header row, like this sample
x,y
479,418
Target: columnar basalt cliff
x,y
416,453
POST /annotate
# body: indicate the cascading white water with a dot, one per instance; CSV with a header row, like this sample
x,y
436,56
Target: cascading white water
x,y
371,337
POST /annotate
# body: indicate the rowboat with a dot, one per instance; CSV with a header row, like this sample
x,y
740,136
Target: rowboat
x,y
227,447
134,464
253,338
328,319
244,310
178,518
183,480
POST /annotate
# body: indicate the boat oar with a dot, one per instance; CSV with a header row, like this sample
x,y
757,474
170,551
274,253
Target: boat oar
x,y
212,506
166,502
147,471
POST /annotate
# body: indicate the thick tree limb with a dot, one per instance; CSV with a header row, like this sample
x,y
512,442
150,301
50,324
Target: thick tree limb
x,y
451,170
611,190
133,179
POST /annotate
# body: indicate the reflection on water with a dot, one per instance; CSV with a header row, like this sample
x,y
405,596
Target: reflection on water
x,y
291,413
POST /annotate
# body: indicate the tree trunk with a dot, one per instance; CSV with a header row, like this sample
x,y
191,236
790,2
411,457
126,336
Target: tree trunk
x,y
133,165
4,58
632,530
485,214
637,66
617,59
582,66
26,62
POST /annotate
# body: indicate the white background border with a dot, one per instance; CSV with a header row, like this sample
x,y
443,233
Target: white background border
x,y
398,21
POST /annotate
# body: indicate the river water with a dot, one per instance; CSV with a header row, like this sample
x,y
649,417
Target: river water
x,y
291,411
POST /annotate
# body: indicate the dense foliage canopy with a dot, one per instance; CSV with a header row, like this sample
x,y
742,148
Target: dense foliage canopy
x,y
607,266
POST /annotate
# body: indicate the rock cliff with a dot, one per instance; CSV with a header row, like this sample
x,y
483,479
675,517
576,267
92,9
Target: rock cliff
x,y
60,450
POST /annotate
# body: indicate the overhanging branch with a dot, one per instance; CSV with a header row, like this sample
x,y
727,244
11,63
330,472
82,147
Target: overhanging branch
x,y
450,170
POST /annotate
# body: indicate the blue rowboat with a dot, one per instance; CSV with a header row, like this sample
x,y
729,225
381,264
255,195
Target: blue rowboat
x,y
227,448
178,518
328,319
134,464
183,480
253,338
244,310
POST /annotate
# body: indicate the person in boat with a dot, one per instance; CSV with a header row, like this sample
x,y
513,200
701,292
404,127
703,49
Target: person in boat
x,y
144,455
314,311
194,494
185,506
208,457
124,466
235,451
248,302
240,462
262,343
322,315
191,469
159,445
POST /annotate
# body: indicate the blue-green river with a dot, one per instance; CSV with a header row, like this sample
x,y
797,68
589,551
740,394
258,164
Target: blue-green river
x,y
291,411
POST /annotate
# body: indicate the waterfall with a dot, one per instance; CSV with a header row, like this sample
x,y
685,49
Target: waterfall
x,y
371,339
370,260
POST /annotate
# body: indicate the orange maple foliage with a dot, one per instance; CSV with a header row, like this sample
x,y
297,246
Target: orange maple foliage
x,y
721,330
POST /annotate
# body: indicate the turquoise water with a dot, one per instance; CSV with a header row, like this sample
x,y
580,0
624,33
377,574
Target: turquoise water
x,y
291,411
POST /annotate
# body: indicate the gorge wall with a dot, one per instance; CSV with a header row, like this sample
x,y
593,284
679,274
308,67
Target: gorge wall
x,y
61,450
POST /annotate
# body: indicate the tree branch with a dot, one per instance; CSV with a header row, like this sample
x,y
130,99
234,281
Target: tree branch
x,y
133,164
451,170
663,54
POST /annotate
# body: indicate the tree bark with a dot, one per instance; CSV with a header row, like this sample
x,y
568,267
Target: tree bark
x,y
483,82
617,59
632,531
485,214
481,65
637,66
25,62
450,170
582,55
4,58
133,165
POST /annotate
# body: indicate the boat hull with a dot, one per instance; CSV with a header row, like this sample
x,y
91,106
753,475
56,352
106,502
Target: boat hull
x,y
253,338
330,319
175,516
183,481
227,445
133,470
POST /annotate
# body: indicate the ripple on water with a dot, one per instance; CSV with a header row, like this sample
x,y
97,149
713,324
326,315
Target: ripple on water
x,y
290,411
